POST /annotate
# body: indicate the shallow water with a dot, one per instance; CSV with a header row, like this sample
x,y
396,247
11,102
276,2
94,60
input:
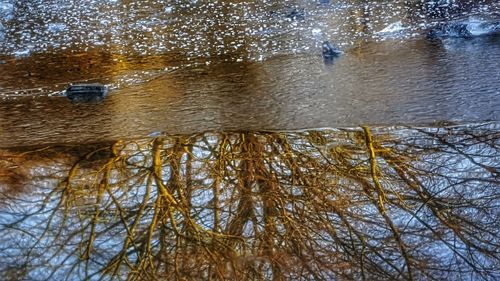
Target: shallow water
x,y
187,67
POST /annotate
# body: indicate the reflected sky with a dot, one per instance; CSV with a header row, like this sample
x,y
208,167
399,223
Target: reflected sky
x,y
356,203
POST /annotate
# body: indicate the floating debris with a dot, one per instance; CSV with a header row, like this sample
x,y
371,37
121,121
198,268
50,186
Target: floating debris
x,y
86,92
330,51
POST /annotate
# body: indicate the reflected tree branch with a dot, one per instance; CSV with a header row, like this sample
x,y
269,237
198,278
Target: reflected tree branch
x,y
367,203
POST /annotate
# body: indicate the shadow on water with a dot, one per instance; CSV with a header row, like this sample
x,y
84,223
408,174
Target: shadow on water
x,y
359,203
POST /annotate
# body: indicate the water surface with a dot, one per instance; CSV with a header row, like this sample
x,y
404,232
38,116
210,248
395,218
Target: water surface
x,y
186,67
207,160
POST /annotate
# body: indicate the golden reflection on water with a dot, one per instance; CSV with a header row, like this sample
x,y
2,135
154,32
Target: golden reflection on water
x,y
344,204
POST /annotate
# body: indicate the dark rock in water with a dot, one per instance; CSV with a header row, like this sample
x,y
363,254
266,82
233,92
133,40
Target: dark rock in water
x,y
330,51
463,29
86,92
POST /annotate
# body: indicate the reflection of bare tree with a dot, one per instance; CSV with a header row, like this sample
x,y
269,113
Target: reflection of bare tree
x,y
335,204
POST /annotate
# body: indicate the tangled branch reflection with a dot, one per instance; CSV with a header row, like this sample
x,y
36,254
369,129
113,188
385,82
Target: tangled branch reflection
x,y
340,204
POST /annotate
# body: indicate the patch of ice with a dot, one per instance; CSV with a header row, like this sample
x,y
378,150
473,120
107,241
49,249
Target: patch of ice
x,y
477,27
393,28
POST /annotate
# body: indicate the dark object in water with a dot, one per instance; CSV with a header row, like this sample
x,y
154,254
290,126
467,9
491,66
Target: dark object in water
x,y
330,51
455,30
463,29
86,92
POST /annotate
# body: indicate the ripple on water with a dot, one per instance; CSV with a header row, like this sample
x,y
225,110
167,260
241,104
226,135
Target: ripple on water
x,y
189,66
